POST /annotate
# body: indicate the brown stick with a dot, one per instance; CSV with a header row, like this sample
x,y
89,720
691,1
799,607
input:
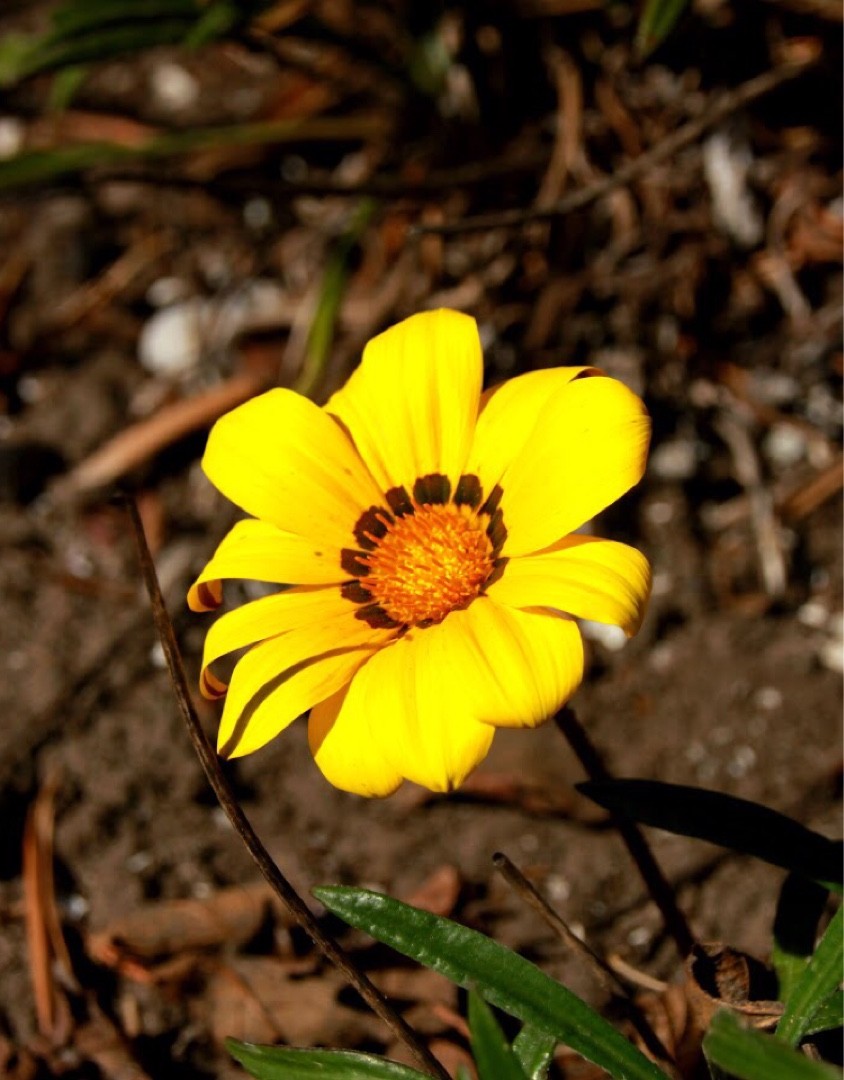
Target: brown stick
x,y
608,978
661,892
290,899
723,106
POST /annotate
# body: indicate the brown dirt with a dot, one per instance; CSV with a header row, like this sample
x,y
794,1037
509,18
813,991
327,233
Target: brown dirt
x,y
726,686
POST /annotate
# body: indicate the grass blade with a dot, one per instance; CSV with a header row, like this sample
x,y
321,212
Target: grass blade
x,y
722,819
493,1054
285,1063
658,20
799,909
820,979
750,1055
828,1016
504,978
534,1049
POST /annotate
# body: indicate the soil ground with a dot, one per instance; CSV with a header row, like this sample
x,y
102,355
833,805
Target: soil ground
x,y
733,338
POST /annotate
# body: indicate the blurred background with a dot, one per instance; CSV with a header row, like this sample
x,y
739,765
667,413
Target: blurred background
x,y
199,200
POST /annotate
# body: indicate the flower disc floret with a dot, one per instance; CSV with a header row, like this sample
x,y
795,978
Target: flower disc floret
x,y
427,564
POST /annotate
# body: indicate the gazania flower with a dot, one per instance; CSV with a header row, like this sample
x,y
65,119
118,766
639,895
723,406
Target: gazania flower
x,y
425,536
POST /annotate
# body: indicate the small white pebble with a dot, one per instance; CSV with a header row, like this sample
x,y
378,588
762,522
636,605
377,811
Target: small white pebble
x,y
674,460
172,339
742,761
557,888
174,86
639,936
659,512
139,862
696,752
167,290
220,818
726,163
663,584
78,563
257,213
662,657
784,445
768,698
30,389
831,654
201,890
612,638
814,614
773,387
12,135
76,907
157,657
16,660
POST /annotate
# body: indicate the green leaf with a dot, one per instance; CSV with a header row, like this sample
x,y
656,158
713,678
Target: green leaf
x,y
75,18
821,977
828,1015
658,20
40,166
504,978
66,83
534,1049
493,1054
332,291
750,1055
285,1063
799,909
722,819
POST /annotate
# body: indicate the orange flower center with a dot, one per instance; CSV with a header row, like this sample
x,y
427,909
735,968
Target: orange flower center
x,y
428,563
432,551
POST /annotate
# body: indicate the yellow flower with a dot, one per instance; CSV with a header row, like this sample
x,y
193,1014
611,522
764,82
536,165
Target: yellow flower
x,y
427,532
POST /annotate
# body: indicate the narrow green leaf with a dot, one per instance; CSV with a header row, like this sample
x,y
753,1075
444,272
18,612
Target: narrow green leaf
x,y
751,1055
100,44
534,1049
504,978
75,18
40,166
658,20
321,335
722,819
65,85
821,977
828,1015
799,909
493,1054
285,1063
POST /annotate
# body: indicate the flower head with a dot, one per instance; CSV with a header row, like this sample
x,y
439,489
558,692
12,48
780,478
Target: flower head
x,y
425,534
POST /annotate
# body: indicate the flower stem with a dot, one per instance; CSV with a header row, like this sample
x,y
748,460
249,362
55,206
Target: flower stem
x,y
290,899
657,884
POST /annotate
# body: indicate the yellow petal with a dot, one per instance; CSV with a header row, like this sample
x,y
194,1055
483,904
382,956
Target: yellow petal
x,y
588,448
515,668
258,551
283,460
406,707
425,707
282,678
342,745
591,578
509,413
411,406
267,618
